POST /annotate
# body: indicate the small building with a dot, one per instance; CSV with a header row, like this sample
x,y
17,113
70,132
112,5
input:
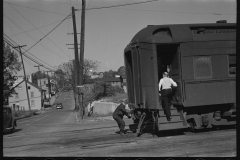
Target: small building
x,y
19,100
44,83
96,75
117,81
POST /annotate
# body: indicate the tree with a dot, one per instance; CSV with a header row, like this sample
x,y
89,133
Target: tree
x,y
88,67
68,70
11,65
61,76
109,74
121,71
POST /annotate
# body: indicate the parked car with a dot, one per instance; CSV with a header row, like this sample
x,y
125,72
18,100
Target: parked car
x,y
8,120
59,106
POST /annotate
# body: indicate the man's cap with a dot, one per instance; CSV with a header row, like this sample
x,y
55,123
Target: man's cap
x,y
165,73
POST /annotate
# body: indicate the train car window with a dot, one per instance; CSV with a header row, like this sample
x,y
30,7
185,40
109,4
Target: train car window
x,y
202,67
232,65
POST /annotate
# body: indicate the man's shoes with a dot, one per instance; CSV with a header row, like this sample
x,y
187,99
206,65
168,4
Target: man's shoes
x,y
122,133
169,119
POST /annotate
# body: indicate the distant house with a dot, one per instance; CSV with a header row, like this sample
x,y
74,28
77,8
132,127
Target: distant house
x,y
117,81
19,100
45,84
97,75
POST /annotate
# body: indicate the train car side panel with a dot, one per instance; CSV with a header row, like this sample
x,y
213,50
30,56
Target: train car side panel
x,y
210,92
149,81
206,82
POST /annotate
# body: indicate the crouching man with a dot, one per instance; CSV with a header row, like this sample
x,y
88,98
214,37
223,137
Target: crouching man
x,y
118,114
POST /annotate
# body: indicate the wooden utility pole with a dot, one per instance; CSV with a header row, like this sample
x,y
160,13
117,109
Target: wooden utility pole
x,y
76,60
82,51
25,78
82,41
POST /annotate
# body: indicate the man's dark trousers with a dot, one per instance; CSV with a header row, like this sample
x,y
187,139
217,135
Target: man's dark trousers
x,y
120,122
166,96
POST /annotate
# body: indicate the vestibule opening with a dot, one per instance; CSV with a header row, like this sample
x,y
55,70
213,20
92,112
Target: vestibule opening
x,y
167,59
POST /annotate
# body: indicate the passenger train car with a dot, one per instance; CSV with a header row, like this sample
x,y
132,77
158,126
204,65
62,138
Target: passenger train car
x,y
200,58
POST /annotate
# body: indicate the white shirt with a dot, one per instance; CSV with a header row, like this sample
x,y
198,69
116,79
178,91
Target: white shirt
x,y
166,83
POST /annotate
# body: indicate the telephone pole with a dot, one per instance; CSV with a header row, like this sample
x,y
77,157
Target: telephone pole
x,y
82,36
76,60
82,51
25,78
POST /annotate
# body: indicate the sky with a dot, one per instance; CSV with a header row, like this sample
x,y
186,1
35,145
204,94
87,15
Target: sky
x,y
107,30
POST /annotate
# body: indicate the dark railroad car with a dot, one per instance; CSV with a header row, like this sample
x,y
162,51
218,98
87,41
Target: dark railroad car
x,y
201,58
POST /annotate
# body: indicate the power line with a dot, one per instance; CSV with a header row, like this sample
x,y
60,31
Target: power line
x,y
34,29
39,30
172,11
36,9
114,6
50,31
28,64
127,4
10,42
30,37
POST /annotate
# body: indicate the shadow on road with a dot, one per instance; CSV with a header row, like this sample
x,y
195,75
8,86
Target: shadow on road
x,y
7,132
177,132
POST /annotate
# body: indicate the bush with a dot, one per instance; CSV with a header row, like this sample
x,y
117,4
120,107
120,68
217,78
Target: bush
x,y
117,98
98,91
20,113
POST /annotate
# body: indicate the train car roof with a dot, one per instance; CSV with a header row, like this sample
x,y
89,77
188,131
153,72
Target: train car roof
x,y
176,33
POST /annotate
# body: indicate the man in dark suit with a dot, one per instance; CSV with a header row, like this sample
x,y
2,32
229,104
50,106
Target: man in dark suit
x,y
118,114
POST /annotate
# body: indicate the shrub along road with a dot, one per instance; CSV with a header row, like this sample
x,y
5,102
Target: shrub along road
x,y
56,133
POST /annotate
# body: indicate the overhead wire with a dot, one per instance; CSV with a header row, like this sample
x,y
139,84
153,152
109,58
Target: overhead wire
x,y
30,37
9,43
50,32
174,11
28,64
35,8
28,56
35,28
39,31
13,44
128,4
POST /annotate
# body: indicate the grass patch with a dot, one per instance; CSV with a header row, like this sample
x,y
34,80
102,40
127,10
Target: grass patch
x,y
117,98
22,113
94,115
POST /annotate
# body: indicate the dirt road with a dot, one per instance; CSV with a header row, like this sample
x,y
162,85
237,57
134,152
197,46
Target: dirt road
x,y
57,134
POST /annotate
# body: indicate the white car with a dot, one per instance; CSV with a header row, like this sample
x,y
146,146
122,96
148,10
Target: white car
x,y
59,106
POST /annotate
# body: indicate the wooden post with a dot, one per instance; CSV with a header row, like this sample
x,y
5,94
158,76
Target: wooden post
x,y
82,51
76,60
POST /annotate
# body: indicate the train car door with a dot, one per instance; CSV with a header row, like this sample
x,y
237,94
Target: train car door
x,y
168,59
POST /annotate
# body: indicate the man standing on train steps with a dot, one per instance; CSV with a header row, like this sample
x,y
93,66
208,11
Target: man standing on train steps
x,y
118,114
165,87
